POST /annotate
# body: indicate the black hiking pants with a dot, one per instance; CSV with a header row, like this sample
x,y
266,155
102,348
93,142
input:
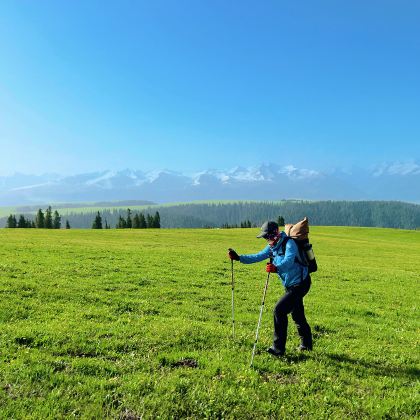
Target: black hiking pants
x,y
292,302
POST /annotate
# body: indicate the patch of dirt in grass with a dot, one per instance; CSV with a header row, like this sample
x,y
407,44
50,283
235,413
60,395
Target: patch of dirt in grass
x,y
186,363
129,415
8,389
280,378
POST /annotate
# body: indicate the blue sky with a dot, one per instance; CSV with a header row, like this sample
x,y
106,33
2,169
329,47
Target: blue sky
x,y
190,85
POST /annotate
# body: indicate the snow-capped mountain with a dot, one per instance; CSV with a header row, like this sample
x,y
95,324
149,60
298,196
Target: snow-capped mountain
x,y
388,181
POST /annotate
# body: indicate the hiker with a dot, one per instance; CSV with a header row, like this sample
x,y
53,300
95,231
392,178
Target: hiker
x,y
295,278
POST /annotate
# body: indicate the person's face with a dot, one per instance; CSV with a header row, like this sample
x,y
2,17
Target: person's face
x,y
272,239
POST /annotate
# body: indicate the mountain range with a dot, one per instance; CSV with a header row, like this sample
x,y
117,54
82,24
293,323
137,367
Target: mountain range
x,y
269,181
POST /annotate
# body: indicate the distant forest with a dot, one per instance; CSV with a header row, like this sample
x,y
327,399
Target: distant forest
x,y
390,214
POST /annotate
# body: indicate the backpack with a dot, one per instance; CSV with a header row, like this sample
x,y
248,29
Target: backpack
x,y
299,233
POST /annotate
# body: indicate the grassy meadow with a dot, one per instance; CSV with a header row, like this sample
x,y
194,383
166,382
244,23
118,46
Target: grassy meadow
x,y
136,324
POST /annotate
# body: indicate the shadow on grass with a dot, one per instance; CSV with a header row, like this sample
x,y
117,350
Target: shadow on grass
x,y
287,361
376,368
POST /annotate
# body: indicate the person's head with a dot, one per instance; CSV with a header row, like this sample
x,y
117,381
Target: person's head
x,y
270,232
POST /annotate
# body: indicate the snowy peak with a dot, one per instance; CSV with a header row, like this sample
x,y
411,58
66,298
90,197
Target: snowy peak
x,y
397,168
262,173
268,181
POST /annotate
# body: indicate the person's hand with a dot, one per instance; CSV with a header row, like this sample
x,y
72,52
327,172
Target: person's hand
x,y
233,255
270,268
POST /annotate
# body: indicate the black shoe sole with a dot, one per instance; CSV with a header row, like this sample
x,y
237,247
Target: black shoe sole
x,y
275,353
304,349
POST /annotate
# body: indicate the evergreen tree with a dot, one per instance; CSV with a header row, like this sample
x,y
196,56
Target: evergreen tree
x,y
142,221
67,224
56,220
150,220
106,224
40,219
156,221
129,223
97,223
280,221
11,221
48,218
22,222
136,221
122,224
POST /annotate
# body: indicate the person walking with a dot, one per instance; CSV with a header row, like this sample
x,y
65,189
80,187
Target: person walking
x,y
295,278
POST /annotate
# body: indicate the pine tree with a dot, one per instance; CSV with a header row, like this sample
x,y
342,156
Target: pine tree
x,y
156,221
22,222
48,218
106,224
56,220
67,224
122,224
142,221
149,220
40,219
136,221
11,221
280,221
97,223
129,221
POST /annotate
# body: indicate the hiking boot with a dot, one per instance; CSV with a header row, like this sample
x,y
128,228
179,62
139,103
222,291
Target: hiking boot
x,y
304,348
274,352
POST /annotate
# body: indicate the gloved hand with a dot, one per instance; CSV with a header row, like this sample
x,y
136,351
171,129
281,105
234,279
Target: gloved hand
x,y
270,268
233,255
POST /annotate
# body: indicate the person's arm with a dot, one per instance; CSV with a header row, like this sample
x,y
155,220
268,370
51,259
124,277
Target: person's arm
x,y
253,258
290,254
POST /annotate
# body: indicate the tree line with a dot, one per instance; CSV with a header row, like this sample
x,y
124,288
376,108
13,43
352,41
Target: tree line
x,y
248,224
52,220
47,220
138,221
392,214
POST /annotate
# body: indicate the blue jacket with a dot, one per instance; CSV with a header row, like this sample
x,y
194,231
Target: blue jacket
x,y
290,271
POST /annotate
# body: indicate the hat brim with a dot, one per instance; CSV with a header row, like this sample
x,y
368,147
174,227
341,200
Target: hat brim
x,y
262,235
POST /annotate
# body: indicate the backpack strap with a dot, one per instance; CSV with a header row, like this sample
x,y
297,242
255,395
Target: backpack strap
x,y
283,244
298,256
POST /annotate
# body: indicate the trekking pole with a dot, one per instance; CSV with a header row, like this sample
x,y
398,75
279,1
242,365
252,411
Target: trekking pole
x,y
259,319
233,301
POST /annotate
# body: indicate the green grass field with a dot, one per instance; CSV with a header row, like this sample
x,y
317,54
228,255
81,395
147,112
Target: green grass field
x,y
137,324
